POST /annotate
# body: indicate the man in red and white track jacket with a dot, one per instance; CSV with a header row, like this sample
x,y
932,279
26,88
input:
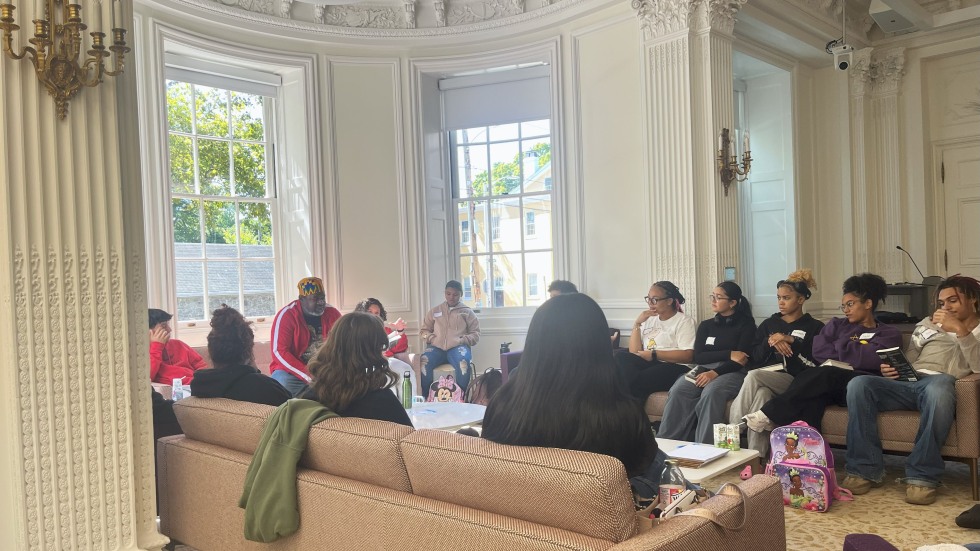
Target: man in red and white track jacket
x,y
298,331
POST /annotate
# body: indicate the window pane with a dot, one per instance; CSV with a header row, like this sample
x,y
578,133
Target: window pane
x,y
249,170
537,211
215,302
223,285
187,224
263,304
179,106
246,113
256,230
181,164
214,158
508,280
212,111
219,227
503,132
476,269
466,240
505,177
535,128
536,165
472,177
539,264
472,135
505,224
190,290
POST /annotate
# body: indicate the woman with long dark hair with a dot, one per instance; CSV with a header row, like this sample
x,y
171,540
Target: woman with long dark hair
x,y
852,341
350,373
234,375
721,351
567,393
661,343
397,353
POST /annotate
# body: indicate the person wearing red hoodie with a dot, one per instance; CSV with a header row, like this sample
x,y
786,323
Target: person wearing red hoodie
x,y
298,330
170,358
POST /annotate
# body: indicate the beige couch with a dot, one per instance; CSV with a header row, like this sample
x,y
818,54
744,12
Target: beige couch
x,y
375,485
899,428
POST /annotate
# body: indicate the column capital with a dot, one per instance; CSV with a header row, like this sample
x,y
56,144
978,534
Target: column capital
x,y
879,72
660,18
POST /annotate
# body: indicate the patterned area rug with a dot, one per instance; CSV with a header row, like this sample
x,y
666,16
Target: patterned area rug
x,y
882,511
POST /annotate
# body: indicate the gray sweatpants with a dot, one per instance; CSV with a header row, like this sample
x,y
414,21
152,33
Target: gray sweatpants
x,y
758,388
692,411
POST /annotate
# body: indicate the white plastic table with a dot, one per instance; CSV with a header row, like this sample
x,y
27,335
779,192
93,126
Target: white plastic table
x,y
730,461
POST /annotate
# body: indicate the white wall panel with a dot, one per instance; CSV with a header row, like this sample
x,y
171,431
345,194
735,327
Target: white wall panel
x,y
372,257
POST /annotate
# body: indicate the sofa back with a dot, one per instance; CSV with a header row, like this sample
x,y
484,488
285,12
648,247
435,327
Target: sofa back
x,y
358,449
523,482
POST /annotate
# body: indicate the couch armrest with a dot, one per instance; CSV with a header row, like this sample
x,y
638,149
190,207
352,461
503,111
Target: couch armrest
x,y
968,415
765,529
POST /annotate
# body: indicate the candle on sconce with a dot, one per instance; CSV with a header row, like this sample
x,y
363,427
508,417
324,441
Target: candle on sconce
x,y
721,145
39,9
745,143
117,18
96,17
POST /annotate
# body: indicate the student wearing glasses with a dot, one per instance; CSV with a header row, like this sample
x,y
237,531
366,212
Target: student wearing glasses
x,y
853,340
722,346
661,343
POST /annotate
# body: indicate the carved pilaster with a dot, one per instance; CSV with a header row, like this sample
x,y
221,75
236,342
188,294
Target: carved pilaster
x,y
318,12
285,7
689,101
74,371
410,14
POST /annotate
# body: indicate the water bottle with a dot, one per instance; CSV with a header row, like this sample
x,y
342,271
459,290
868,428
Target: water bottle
x,y
672,483
178,389
407,390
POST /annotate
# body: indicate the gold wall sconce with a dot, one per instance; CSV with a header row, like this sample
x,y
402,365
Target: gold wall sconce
x,y
728,166
58,37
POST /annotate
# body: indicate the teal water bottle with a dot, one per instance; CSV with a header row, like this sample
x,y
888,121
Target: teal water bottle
x,y
407,390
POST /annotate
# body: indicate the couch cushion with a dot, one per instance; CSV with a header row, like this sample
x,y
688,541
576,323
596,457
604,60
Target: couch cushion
x,y
359,449
577,491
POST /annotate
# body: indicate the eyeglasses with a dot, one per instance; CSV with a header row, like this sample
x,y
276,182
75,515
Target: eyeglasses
x,y
654,300
716,298
848,305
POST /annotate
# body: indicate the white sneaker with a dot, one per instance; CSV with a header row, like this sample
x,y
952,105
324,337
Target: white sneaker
x,y
758,421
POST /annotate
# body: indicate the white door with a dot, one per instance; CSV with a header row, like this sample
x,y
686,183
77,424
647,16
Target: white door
x,y
961,190
767,197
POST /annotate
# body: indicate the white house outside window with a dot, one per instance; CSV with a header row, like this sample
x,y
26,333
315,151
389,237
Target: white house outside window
x,y
502,174
222,201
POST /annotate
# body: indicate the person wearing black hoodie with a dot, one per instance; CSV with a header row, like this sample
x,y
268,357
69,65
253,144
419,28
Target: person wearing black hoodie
x,y
785,339
230,347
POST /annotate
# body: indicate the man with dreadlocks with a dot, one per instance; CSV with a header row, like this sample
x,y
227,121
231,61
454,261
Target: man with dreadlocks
x,y
948,342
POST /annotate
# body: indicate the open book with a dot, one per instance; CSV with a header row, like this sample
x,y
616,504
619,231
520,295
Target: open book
x,y
692,375
896,358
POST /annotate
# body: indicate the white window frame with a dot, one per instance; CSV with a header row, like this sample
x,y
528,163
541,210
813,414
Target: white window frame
x,y
268,115
293,76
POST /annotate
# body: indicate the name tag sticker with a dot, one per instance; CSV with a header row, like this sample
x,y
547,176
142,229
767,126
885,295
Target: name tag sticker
x,y
437,314
798,334
929,333
709,341
866,336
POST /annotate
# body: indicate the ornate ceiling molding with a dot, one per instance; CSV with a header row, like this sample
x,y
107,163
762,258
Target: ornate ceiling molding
x,y
404,19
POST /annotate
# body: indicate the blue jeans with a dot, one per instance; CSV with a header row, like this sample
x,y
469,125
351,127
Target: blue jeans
x,y
459,357
290,382
692,411
935,399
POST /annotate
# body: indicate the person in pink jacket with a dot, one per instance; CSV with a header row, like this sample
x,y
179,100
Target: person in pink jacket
x,y
298,331
170,358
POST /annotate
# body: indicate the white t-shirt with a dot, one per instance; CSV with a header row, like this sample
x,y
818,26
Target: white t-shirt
x,y
676,333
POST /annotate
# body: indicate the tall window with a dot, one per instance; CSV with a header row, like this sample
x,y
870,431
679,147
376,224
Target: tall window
x,y
502,174
222,199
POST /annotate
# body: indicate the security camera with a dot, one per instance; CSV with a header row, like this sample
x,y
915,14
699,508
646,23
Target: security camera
x,y
842,56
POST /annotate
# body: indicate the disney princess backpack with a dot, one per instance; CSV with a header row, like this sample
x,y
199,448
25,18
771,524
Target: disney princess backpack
x,y
801,460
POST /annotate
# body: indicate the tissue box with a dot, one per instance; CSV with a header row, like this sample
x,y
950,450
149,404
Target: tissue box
x,y
727,436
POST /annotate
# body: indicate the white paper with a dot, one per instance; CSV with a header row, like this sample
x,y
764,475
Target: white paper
x,y
709,341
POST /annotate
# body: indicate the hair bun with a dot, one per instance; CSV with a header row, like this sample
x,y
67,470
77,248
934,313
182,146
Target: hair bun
x,y
805,276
